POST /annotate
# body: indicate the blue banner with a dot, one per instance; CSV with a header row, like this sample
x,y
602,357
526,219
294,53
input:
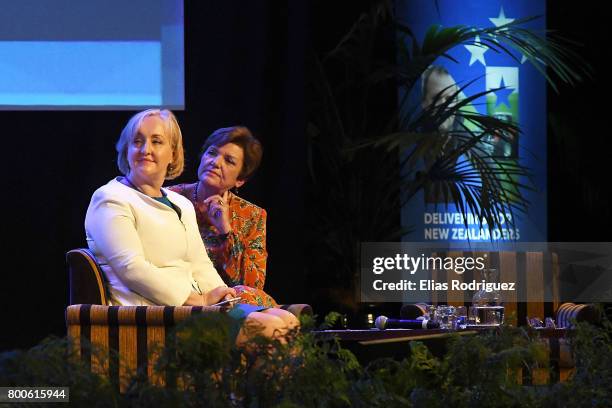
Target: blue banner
x,y
519,97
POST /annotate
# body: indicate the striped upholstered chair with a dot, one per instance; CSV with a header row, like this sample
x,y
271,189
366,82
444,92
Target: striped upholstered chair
x,y
126,339
539,273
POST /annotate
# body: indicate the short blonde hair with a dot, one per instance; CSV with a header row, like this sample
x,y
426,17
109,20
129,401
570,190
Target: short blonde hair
x,y
173,131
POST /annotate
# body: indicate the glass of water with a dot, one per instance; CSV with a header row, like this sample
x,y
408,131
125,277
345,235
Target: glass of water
x,y
445,316
487,303
487,315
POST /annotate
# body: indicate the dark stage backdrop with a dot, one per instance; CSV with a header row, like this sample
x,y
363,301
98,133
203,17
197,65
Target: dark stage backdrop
x,y
244,65
579,188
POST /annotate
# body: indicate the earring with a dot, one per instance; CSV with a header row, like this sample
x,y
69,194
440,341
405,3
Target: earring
x,y
234,190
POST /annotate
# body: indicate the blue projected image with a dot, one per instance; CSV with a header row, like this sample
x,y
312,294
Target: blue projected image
x,y
98,55
80,73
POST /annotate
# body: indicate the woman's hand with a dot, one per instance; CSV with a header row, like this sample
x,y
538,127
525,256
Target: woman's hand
x,y
218,294
195,299
218,212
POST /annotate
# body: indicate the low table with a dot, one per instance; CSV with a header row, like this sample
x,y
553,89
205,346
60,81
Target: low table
x,y
375,336
371,344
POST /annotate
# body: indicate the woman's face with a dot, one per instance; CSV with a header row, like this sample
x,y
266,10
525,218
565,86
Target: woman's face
x,y
150,151
220,167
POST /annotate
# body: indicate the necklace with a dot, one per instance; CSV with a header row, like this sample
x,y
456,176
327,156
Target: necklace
x,y
195,194
126,178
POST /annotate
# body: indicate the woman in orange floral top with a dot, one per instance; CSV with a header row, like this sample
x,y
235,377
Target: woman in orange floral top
x,y
233,229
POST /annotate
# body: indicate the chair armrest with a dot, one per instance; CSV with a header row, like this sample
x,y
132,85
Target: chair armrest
x,y
132,315
298,309
568,312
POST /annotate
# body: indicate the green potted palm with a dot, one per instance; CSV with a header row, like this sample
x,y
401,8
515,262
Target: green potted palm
x,y
369,154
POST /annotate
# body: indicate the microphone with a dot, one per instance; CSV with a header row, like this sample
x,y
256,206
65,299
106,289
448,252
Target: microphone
x,y
383,322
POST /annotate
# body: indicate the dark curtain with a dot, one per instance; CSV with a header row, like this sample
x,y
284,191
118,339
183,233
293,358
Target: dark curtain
x,y
244,65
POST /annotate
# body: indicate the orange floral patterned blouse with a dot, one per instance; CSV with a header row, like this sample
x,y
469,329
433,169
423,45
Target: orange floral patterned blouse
x,y
240,257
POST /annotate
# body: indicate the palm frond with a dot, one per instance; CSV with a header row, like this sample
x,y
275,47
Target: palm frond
x,y
363,169
542,51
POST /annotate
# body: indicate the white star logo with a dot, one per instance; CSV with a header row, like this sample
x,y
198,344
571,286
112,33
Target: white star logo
x,y
477,51
501,19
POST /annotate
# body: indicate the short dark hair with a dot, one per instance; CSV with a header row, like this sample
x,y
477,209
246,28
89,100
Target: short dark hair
x,y
241,136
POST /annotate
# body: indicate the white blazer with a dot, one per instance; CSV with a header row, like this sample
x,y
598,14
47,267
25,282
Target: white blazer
x,y
150,256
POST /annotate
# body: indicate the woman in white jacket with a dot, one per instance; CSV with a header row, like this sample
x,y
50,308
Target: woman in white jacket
x,y
146,237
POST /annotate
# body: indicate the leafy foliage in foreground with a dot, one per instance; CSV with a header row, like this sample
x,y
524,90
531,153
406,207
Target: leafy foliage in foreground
x,y
314,371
